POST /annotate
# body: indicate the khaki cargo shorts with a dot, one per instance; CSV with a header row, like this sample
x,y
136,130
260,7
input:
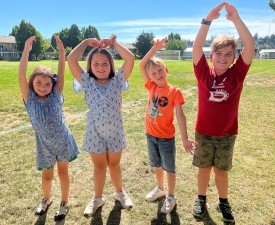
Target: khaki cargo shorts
x,y
214,151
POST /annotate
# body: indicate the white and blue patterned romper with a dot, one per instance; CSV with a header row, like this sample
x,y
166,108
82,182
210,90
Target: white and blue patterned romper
x,y
104,128
54,141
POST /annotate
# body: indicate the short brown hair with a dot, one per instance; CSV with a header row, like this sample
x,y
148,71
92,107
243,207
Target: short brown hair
x,y
154,62
40,71
223,41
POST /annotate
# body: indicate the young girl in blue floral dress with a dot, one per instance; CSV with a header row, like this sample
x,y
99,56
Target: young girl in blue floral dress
x,y
104,138
42,95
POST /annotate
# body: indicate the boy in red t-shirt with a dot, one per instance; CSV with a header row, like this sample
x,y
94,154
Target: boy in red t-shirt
x,y
160,130
219,91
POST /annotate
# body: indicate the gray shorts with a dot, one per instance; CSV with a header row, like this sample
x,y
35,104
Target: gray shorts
x,y
162,153
214,151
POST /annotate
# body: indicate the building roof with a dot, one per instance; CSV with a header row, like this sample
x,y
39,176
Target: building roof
x,y
205,49
7,39
266,51
129,46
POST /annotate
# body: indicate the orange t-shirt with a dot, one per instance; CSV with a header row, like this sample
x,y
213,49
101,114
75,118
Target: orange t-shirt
x,y
160,109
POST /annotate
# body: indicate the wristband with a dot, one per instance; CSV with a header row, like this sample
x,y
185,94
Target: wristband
x,y
206,22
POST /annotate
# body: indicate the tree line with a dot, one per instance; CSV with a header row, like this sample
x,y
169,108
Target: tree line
x,y
72,36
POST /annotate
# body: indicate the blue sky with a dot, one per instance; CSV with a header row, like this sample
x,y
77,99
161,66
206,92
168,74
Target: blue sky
x,y
128,18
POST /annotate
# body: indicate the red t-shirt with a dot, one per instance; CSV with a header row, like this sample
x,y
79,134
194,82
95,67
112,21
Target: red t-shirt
x,y
160,109
218,106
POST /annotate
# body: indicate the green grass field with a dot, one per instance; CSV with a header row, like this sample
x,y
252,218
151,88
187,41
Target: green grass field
x,y
251,186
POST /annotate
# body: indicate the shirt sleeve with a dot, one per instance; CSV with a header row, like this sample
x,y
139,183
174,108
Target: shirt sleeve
x,y
241,68
85,80
57,97
121,79
179,97
201,67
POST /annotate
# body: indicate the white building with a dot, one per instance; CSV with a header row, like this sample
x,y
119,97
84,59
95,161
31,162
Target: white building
x,y
267,54
187,54
7,48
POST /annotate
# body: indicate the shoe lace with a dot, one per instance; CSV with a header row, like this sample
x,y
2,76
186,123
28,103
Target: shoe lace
x,y
168,202
155,191
124,196
63,208
227,209
199,202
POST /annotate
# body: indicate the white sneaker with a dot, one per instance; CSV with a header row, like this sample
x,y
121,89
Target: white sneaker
x,y
124,199
43,206
62,212
155,194
93,206
168,204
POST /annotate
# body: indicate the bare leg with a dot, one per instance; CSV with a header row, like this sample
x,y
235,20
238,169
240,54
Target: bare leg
x,y
203,180
63,173
221,178
47,178
160,177
115,169
100,167
171,180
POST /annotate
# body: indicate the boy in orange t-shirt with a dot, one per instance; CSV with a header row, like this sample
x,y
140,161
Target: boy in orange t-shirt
x,y
160,130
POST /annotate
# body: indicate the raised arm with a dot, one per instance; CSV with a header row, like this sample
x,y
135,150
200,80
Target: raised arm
x,y
76,54
126,54
245,35
61,64
202,33
23,82
157,45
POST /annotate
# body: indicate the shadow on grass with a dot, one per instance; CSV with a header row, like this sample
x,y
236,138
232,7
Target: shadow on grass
x,y
42,220
161,217
97,218
113,218
115,215
206,220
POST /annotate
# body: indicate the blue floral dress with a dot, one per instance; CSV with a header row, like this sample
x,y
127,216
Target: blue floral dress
x,y
54,141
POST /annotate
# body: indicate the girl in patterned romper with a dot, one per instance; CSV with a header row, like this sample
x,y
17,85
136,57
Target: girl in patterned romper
x,y
104,137
42,95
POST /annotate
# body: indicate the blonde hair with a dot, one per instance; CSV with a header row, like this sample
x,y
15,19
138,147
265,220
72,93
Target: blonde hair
x,y
40,71
154,62
223,41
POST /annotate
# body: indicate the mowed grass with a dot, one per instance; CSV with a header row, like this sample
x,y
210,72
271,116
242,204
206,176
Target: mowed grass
x,y
251,186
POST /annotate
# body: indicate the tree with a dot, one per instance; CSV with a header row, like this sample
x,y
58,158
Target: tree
x,y
144,43
64,36
22,33
89,32
74,36
174,36
175,42
272,4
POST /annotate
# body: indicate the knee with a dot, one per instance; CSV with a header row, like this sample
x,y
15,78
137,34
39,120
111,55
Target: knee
x,y
47,177
219,172
99,168
113,165
63,174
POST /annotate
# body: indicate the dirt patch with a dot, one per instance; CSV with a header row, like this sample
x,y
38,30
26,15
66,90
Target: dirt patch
x,y
260,81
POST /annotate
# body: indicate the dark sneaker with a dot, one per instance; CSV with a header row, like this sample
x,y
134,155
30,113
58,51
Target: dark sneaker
x,y
199,207
226,212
